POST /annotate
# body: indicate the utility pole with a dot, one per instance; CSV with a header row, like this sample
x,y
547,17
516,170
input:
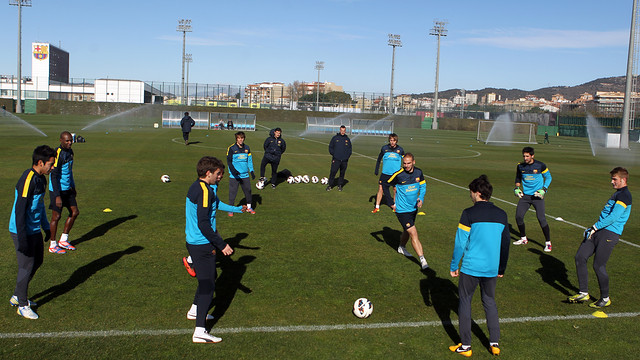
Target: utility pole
x,y
184,26
394,40
20,4
319,66
438,30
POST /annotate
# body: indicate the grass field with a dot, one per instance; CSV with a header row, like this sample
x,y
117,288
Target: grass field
x,y
307,254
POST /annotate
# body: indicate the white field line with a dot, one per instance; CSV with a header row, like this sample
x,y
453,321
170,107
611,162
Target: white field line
x,y
298,328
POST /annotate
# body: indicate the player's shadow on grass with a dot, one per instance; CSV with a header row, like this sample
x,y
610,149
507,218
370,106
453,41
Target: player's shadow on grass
x,y
234,242
516,236
256,199
554,273
82,274
100,230
228,283
442,295
194,142
391,237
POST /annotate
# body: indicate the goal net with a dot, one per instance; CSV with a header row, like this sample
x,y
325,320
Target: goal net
x,y
506,132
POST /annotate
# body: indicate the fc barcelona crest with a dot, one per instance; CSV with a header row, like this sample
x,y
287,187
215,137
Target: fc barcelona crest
x,y
41,52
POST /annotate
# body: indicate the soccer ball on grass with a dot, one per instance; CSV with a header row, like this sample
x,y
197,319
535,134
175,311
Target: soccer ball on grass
x,y
260,184
362,308
165,178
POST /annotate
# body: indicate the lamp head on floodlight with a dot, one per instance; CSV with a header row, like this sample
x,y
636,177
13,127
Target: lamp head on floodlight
x,y
20,2
184,25
394,40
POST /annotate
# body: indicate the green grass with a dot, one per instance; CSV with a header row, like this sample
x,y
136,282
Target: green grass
x,y
307,254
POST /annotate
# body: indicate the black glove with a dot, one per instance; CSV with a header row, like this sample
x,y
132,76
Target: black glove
x,y
253,176
47,235
375,173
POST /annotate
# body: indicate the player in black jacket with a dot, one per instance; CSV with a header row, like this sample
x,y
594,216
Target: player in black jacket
x,y
274,147
340,150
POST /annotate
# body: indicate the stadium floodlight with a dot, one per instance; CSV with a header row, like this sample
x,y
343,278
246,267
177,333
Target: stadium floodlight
x,y
188,59
438,30
19,4
394,40
319,66
628,110
184,26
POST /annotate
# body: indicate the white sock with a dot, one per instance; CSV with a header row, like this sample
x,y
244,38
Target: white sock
x,y
248,206
64,237
377,206
422,258
584,293
189,259
194,308
547,243
493,344
53,244
605,299
200,331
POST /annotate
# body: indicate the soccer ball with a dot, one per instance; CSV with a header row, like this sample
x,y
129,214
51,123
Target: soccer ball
x,y
298,179
260,184
291,180
165,178
362,308
305,179
314,179
324,181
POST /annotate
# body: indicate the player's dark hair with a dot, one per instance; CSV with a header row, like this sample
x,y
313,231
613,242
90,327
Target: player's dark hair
x,y
482,185
277,129
409,155
620,171
64,133
42,153
186,113
393,136
240,134
342,127
208,163
528,150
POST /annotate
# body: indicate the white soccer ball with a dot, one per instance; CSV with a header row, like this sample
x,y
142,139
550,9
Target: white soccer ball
x,y
305,179
314,179
291,180
324,181
165,178
260,184
298,179
362,308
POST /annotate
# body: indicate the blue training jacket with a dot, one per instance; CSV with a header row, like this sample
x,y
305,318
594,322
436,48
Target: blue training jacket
x,y
29,215
239,161
533,177
200,212
616,212
391,158
482,241
410,187
61,178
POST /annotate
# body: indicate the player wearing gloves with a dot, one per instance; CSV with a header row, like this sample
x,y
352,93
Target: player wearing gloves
x,y
600,239
535,178
240,164
411,188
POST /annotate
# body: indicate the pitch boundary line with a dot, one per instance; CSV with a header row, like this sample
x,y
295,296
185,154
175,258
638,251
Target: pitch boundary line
x,y
297,328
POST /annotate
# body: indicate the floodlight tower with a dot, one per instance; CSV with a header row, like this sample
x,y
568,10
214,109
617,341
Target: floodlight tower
x,y
394,40
19,4
184,26
188,59
438,30
319,66
462,105
628,113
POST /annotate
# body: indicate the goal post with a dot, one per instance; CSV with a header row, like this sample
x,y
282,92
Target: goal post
x,y
505,132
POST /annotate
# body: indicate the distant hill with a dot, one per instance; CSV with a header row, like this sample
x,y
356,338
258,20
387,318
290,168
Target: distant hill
x,y
616,83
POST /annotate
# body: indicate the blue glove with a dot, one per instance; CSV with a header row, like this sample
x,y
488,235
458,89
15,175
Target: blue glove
x,y
589,232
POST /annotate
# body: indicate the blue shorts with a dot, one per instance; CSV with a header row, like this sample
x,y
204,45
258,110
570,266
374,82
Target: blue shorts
x,y
407,220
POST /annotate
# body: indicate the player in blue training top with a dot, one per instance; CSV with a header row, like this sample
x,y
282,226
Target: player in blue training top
x,y
535,178
600,239
391,157
28,217
482,242
411,188
204,241
62,194
240,164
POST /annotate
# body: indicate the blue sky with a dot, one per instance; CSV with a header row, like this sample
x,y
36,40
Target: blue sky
x,y
494,43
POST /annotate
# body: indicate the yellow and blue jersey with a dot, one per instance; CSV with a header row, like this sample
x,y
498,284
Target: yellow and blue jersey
x,y
200,210
616,212
29,215
239,161
61,178
533,177
391,158
482,241
410,187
